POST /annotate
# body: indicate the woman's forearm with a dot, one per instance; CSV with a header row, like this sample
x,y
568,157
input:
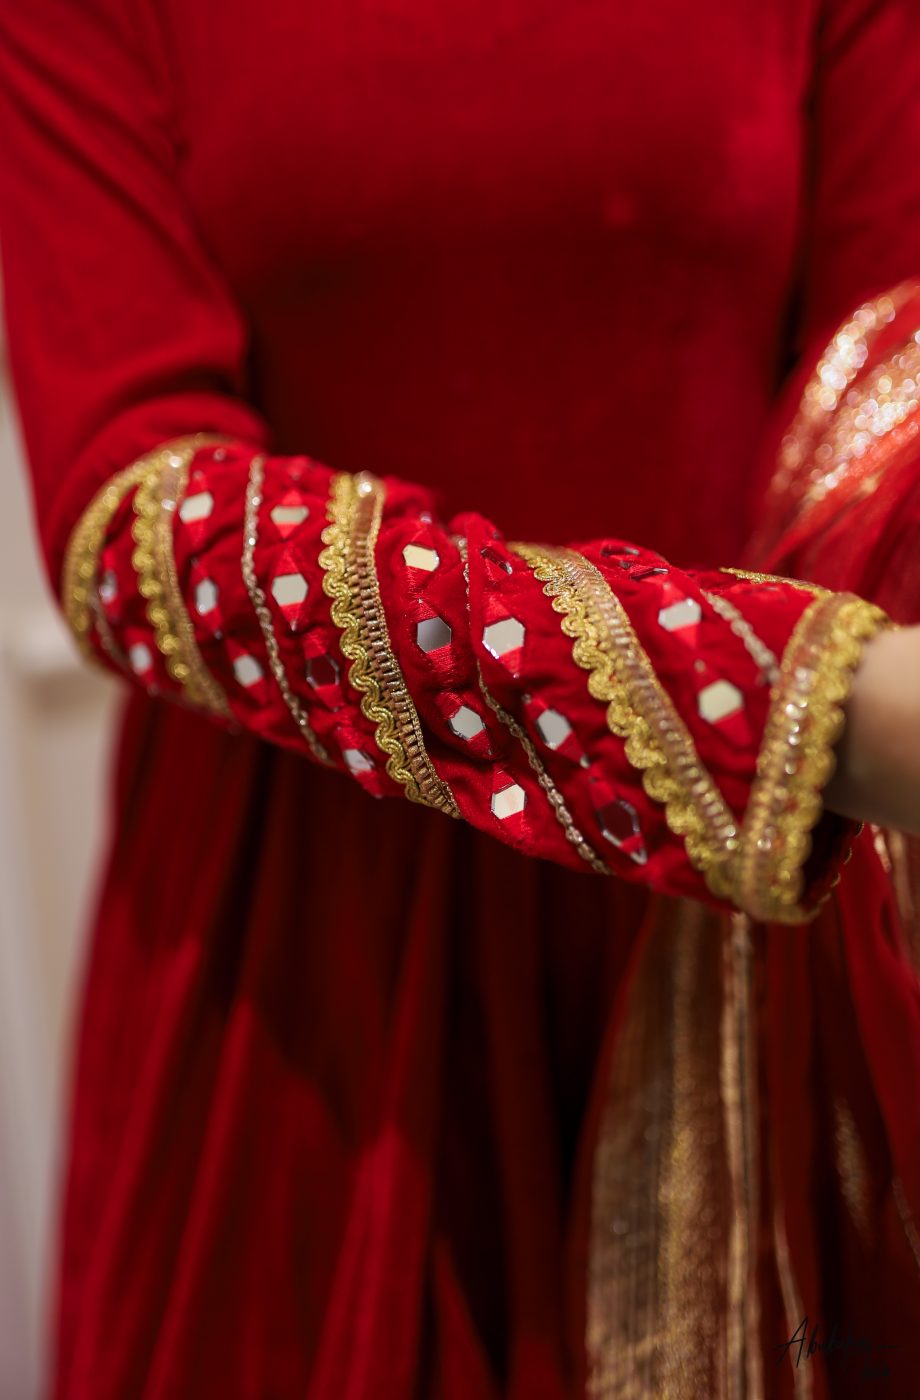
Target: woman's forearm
x,y
877,778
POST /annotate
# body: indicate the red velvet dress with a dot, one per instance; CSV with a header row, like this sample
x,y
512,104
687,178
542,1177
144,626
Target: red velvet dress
x,y
371,1102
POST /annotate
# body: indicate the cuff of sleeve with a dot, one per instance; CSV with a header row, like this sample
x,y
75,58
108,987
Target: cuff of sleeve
x,y
790,856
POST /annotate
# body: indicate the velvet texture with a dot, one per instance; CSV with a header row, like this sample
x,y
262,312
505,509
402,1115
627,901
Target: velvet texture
x,y
329,1126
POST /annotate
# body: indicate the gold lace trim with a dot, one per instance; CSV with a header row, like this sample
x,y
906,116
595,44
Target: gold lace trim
x,y
355,512
263,613
796,757
639,711
758,867
81,560
155,503
159,477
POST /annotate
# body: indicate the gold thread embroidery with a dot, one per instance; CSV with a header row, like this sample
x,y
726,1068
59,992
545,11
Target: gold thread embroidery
x,y
155,503
81,565
639,710
104,631
553,795
350,580
263,613
759,868
754,577
761,655
851,1167
796,756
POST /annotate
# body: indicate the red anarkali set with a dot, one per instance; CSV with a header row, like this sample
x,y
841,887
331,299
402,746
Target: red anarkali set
x,y
367,356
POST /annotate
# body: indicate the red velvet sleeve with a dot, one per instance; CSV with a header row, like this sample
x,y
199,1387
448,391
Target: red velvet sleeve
x,y
593,705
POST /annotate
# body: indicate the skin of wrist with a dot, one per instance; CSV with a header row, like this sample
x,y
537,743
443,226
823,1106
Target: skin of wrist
x,y
877,778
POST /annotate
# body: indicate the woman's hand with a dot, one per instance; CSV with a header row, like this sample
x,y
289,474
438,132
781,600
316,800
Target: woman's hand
x,y
878,758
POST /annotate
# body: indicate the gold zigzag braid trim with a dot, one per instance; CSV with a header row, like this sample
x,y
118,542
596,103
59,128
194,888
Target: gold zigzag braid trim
x,y
263,613
639,711
155,504
355,512
796,756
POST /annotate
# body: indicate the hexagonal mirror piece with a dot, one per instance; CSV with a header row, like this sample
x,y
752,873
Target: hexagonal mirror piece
x,y
196,507
289,590
108,587
495,559
356,761
284,517
501,637
205,595
509,802
432,634
719,700
140,658
418,556
322,670
553,728
247,670
684,613
465,723
619,821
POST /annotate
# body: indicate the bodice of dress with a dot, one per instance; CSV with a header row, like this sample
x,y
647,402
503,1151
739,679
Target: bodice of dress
x,y
501,247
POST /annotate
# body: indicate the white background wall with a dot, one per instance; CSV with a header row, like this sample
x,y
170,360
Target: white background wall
x,y
55,726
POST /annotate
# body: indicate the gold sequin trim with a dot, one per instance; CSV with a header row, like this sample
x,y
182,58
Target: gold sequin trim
x,y
263,613
796,756
838,367
155,503
639,711
870,416
851,1167
350,579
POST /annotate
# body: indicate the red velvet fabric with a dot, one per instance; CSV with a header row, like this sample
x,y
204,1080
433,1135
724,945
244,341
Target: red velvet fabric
x,y
552,262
